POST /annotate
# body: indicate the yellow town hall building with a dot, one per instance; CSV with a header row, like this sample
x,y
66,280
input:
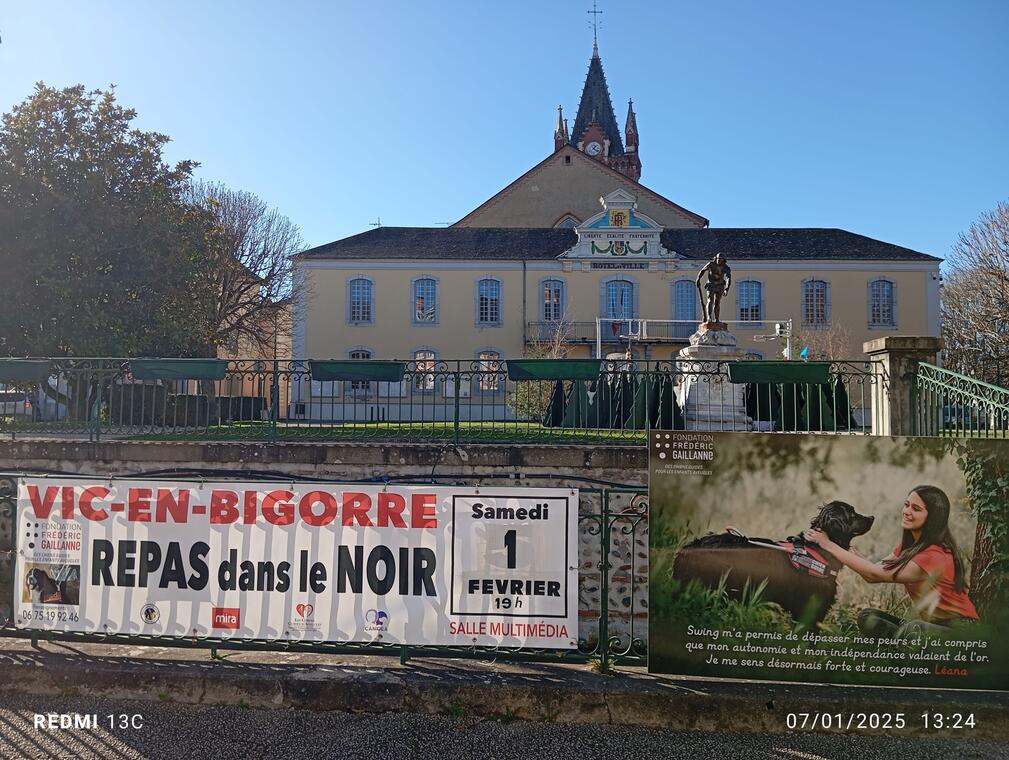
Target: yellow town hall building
x,y
577,250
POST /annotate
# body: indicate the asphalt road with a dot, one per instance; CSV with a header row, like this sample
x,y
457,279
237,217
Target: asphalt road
x,y
190,732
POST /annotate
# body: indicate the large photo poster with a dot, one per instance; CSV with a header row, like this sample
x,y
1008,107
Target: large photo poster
x,y
816,558
391,564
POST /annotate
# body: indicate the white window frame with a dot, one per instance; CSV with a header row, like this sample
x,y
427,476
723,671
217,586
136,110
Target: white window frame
x,y
807,292
431,310
428,382
358,387
489,384
750,281
495,314
555,312
874,324
360,319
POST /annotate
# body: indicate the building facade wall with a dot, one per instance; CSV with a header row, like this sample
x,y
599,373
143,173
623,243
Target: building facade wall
x,y
560,187
322,319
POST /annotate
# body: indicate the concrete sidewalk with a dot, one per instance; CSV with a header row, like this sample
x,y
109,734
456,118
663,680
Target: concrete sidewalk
x,y
551,692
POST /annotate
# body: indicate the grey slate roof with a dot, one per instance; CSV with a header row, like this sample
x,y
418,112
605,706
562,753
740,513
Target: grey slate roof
x,y
512,243
516,243
596,100
789,243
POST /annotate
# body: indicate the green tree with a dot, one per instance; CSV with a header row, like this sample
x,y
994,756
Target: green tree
x,y
986,470
101,255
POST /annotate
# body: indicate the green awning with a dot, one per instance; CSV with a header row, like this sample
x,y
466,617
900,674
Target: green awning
x,y
552,369
24,370
178,369
779,372
380,370
576,412
555,409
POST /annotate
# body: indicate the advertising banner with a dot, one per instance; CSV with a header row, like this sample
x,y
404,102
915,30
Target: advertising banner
x,y
294,561
829,558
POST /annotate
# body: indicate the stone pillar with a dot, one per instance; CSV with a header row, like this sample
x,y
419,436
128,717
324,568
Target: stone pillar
x,y
898,357
708,400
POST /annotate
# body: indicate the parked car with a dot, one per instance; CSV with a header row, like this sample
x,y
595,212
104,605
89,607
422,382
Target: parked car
x,y
15,404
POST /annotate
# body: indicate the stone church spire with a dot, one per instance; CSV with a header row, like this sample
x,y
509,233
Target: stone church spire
x,y
595,106
561,137
631,127
629,164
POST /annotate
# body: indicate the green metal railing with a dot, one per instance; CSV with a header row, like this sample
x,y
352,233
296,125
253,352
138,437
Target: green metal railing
x,y
455,401
948,403
612,586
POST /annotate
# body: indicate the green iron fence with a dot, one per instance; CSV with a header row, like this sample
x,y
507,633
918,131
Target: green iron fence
x,y
612,586
948,403
548,401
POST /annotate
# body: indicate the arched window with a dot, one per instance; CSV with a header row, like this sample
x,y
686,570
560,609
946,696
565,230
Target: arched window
x,y
425,300
553,300
815,303
882,303
686,309
489,369
360,301
424,365
619,302
750,301
360,386
567,222
488,302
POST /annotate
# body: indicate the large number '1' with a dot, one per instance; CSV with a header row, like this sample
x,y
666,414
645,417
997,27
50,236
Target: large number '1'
x,y
509,543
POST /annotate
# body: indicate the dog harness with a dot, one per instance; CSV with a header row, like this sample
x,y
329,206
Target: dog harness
x,y
801,556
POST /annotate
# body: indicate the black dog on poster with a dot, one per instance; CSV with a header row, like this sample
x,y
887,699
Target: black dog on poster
x,y
800,576
42,589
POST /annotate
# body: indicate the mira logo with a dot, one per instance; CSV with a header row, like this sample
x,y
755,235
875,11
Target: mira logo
x,y
227,617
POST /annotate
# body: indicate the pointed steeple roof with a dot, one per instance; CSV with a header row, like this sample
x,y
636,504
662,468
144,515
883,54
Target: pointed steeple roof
x,y
595,105
632,122
561,130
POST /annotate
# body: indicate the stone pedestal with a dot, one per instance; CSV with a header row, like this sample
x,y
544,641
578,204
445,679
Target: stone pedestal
x,y
705,395
896,359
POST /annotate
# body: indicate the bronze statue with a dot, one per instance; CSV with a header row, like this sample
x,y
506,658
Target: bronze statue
x,y
719,279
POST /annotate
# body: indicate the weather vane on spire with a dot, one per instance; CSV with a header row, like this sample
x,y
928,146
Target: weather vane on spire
x,y
595,13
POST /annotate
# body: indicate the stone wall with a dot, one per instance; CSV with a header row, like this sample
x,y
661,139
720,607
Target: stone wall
x,y
516,465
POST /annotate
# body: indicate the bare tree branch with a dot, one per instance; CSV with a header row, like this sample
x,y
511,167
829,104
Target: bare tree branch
x,y
975,298
252,277
831,344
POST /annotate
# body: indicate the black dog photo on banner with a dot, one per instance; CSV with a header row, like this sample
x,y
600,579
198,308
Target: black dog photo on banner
x,y
843,559
46,583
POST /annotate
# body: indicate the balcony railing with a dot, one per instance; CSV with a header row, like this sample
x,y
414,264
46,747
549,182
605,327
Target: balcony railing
x,y
612,331
948,403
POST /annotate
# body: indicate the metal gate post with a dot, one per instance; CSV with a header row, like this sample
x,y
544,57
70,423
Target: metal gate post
x,y
455,416
8,545
604,585
274,400
97,405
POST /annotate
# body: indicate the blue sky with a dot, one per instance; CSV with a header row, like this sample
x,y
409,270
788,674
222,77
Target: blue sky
x,y
884,118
